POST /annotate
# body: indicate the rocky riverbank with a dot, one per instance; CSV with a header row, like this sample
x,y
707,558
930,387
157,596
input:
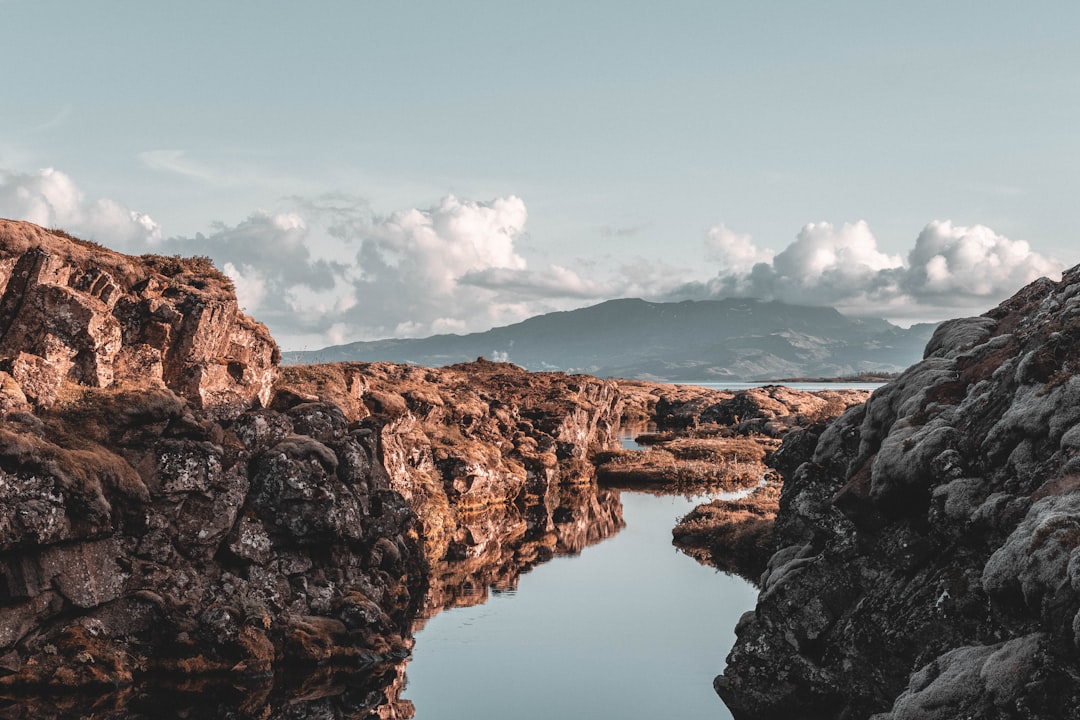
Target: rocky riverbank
x,y
712,440
926,564
175,508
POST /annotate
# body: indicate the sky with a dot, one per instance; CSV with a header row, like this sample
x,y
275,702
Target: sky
x,y
365,169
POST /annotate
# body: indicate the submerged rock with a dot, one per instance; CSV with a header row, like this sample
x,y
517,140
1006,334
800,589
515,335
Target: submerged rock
x,y
926,550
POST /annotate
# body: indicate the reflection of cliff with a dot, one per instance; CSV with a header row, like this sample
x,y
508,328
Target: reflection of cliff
x,y
492,552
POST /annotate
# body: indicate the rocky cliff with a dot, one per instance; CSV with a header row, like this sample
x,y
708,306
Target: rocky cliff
x,y
929,549
172,506
75,313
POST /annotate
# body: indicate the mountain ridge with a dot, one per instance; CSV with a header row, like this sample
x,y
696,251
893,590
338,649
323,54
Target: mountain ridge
x,y
692,340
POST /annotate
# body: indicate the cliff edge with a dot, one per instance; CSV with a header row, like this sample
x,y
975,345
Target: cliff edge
x,y
928,561
73,312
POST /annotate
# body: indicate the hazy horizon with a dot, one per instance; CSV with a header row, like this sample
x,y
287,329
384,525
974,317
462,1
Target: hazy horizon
x,y
906,326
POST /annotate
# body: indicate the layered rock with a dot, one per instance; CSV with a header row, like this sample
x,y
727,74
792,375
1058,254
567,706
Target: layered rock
x,y
72,312
927,552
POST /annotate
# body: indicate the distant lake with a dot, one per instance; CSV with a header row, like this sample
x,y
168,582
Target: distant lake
x,y
630,628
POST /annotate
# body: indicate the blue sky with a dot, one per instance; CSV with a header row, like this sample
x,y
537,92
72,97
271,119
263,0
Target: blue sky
x,y
367,169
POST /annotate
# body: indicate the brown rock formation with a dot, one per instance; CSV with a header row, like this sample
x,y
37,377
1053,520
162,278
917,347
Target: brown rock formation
x,y
141,531
473,439
735,536
73,312
928,551
711,437
168,514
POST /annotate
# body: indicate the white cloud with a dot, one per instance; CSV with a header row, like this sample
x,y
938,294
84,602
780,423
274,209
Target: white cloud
x,y
333,269
733,251
554,282
974,262
330,269
51,199
949,270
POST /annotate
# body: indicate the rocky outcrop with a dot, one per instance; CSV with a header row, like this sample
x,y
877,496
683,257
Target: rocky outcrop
x,y
172,510
928,551
478,440
142,536
735,534
75,313
700,436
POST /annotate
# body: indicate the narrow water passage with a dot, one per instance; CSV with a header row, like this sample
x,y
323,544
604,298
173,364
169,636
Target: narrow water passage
x,y
631,628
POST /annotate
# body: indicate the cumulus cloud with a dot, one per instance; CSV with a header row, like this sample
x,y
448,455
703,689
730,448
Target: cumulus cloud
x,y
331,269
51,199
950,261
950,270
554,282
735,252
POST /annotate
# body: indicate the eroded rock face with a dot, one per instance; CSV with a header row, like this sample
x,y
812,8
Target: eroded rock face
x,y
476,439
74,312
140,534
927,552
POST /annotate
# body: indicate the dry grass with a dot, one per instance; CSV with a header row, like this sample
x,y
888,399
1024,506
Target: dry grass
x,y
735,536
660,466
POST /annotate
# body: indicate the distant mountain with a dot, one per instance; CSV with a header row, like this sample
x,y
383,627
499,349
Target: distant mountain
x,y
690,341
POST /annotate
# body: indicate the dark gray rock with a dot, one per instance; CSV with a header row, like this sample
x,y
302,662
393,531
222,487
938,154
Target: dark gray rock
x,y
928,560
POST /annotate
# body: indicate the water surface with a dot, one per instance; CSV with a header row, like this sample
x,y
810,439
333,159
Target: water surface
x,y
630,628
803,386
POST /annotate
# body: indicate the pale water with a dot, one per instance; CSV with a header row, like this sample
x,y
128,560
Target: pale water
x,y
804,386
630,628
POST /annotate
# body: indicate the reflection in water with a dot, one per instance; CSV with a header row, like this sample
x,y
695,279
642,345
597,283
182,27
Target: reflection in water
x,y
492,550
629,432
489,552
629,629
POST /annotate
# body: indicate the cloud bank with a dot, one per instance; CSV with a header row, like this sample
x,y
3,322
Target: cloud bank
x,y
329,269
951,270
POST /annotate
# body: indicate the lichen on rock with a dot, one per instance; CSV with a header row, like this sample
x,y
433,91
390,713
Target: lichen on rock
x,y
926,553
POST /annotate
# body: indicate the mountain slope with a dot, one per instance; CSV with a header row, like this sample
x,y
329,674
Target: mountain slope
x,y
686,341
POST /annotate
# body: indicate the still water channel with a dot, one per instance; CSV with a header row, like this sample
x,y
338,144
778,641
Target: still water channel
x,y
629,628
